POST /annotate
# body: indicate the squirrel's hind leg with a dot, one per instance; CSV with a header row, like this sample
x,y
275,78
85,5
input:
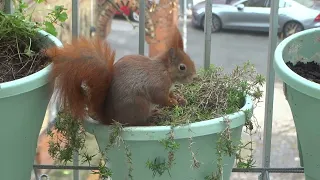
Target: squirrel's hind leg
x,y
134,112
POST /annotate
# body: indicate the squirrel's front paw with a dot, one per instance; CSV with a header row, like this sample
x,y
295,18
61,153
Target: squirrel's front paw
x,y
155,112
173,102
182,101
172,95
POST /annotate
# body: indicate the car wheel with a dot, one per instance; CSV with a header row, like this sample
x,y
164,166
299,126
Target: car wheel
x,y
134,15
216,23
291,27
92,31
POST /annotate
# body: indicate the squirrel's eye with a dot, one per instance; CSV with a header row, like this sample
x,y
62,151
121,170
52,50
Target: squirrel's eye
x,y
182,67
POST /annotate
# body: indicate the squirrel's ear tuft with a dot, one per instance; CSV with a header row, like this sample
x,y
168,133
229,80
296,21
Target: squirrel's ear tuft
x,y
179,39
176,39
172,53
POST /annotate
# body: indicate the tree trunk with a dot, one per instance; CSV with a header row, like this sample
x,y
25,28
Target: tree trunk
x,y
1,5
164,17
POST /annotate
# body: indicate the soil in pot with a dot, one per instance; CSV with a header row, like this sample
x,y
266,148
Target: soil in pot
x,y
18,60
309,70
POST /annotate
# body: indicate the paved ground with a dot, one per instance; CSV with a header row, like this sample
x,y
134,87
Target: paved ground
x,y
284,153
229,49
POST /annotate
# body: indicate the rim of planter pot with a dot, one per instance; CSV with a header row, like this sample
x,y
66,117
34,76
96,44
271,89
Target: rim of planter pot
x,y
202,128
31,82
290,77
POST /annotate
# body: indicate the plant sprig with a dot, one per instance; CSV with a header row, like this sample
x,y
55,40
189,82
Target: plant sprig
x,y
159,166
55,17
67,137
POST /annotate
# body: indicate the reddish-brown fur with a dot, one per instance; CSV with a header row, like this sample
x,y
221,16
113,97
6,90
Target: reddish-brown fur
x,y
82,61
176,40
125,91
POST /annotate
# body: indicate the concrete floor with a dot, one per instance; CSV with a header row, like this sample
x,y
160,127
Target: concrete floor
x,y
229,48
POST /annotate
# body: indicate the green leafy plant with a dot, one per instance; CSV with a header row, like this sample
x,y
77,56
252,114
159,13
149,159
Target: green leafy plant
x,y
54,18
215,94
72,139
57,15
21,46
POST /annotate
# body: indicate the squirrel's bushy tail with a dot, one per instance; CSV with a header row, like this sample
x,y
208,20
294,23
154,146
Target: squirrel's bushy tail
x,y
83,72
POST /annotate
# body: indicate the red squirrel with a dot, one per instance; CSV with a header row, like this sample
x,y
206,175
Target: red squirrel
x,y
124,91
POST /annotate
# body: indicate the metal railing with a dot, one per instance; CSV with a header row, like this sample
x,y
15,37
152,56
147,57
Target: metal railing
x,y
265,169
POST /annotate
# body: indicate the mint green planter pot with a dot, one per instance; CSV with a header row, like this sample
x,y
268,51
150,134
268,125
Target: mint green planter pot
x,y
302,95
23,104
144,145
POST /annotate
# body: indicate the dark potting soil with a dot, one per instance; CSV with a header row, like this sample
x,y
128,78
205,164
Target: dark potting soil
x,y
309,70
17,60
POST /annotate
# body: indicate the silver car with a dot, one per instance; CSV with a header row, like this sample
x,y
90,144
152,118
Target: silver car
x,y
294,15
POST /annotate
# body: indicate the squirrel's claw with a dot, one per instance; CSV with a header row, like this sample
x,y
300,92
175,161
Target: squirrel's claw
x,y
179,99
182,101
173,102
155,112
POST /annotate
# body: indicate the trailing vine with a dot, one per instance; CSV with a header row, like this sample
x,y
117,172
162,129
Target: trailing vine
x,y
159,166
225,146
195,163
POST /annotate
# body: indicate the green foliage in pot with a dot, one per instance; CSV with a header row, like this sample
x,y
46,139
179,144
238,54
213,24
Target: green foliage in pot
x,y
215,94
20,44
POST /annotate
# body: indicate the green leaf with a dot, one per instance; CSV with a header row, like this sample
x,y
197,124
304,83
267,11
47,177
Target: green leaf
x,y
23,5
63,17
59,8
50,28
39,1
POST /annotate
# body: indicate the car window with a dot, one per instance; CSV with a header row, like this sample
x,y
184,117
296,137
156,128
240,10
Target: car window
x,y
307,3
282,4
255,3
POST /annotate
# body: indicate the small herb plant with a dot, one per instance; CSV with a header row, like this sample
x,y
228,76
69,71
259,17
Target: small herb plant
x,y
20,45
215,94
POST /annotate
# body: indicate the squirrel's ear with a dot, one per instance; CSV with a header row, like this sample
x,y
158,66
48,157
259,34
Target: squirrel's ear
x,y
177,38
173,55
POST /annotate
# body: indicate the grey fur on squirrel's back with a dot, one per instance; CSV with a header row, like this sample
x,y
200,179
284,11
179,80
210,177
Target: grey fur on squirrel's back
x,y
139,73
